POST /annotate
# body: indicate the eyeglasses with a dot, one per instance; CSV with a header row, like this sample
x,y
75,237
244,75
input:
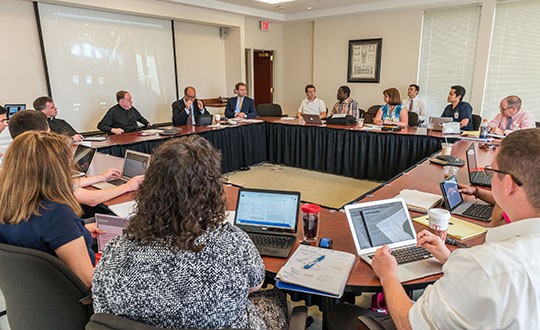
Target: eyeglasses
x,y
490,171
504,109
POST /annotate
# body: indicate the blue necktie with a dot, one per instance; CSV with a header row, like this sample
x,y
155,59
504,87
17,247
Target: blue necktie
x,y
509,124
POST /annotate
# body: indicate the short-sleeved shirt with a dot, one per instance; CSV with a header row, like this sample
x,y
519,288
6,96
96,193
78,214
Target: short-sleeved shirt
x,y
315,107
462,111
184,289
57,225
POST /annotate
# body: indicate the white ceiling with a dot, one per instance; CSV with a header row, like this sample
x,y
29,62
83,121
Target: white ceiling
x,y
295,10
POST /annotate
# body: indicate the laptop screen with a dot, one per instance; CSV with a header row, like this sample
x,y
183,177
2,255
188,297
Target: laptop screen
x,y
451,194
377,223
135,163
14,108
471,159
83,157
261,209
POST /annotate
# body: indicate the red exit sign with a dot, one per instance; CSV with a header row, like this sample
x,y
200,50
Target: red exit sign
x,y
265,25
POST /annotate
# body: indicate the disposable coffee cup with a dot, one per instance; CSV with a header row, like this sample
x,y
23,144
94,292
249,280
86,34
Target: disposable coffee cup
x,y
446,148
439,219
449,171
360,123
217,116
310,221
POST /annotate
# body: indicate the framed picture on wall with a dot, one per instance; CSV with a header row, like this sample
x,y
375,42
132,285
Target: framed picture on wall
x,y
364,60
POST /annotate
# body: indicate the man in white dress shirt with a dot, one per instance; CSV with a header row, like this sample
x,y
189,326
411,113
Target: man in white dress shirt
x,y
312,105
495,285
413,103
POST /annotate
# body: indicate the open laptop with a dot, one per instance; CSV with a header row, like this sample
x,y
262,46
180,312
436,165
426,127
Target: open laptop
x,y
456,205
436,122
135,163
112,226
476,175
270,218
82,159
312,119
14,108
374,224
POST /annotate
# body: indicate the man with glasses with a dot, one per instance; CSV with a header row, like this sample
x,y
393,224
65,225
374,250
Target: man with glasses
x,y
511,117
188,109
495,285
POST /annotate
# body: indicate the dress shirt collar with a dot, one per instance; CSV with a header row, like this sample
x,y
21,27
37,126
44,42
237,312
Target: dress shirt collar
x,y
517,228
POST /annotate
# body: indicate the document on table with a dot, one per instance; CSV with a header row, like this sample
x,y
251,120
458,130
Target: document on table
x,y
124,210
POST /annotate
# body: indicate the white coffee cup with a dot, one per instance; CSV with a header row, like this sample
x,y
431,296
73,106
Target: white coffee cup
x,y
446,148
217,116
439,219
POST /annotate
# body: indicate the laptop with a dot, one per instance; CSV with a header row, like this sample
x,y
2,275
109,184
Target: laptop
x,y
204,120
374,224
436,122
456,205
312,119
135,163
270,218
476,175
82,159
112,226
14,108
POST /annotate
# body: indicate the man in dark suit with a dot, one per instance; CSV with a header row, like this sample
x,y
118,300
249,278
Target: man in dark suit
x,y
188,109
240,106
46,105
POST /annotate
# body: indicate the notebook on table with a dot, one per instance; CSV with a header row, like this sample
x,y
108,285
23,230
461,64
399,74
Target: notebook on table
x,y
476,175
374,224
437,122
270,218
312,119
135,163
456,205
82,159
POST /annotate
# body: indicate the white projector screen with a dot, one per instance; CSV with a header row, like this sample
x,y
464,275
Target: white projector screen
x,y
91,55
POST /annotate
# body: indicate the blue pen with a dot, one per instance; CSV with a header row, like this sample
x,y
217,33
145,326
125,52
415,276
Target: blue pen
x,y
311,264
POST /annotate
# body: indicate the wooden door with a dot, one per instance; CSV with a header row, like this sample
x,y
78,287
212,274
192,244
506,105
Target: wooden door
x,y
263,76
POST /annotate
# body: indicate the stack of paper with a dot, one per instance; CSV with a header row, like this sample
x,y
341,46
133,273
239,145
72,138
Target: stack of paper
x,y
314,270
458,229
419,201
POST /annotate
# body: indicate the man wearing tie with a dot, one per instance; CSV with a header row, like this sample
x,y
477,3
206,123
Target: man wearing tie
x,y
188,109
413,103
240,106
511,117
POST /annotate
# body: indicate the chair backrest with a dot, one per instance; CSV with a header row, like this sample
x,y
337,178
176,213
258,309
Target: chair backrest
x,y
362,113
371,113
476,122
40,291
269,110
538,124
413,119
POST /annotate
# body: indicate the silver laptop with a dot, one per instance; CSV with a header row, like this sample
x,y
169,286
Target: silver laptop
x,y
112,226
83,159
312,119
135,163
374,224
437,122
270,218
477,176
456,205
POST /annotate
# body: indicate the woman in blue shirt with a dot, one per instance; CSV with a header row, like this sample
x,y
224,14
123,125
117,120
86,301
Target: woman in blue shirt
x,y
39,209
393,112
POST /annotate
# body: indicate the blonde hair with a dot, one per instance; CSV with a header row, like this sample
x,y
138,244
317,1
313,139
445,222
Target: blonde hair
x,y
37,166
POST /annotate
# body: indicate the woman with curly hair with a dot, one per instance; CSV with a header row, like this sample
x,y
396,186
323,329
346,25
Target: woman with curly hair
x,y
179,264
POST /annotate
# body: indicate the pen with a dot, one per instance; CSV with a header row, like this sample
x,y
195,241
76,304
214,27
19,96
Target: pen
x,y
311,264
452,241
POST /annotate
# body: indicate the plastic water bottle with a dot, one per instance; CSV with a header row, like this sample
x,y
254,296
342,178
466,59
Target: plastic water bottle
x,y
484,129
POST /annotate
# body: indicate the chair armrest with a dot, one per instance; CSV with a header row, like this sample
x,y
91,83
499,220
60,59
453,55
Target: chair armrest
x,y
87,300
369,323
298,318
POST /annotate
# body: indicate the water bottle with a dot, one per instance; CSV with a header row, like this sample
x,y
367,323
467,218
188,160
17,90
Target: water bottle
x,y
484,129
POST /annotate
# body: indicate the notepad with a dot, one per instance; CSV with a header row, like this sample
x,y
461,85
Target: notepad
x,y
326,277
458,229
419,201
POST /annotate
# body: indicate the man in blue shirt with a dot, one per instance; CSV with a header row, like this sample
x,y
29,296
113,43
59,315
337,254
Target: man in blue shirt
x,y
241,106
458,109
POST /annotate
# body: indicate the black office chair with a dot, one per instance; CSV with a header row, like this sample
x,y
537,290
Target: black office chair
x,y
362,113
104,321
269,110
371,113
538,124
41,292
413,119
476,122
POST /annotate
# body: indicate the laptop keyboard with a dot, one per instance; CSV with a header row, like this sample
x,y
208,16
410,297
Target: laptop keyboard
x,y
279,242
408,254
482,178
481,211
117,182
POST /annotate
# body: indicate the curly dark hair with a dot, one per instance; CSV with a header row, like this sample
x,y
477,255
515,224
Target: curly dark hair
x,y
181,196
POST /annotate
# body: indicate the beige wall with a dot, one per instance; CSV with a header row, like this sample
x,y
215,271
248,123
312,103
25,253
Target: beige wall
x,y
401,34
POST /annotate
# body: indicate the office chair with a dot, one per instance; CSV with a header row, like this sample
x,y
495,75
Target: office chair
x,y
371,113
269,110
413,119
104,321
538,124
41,292
362,113
476,122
